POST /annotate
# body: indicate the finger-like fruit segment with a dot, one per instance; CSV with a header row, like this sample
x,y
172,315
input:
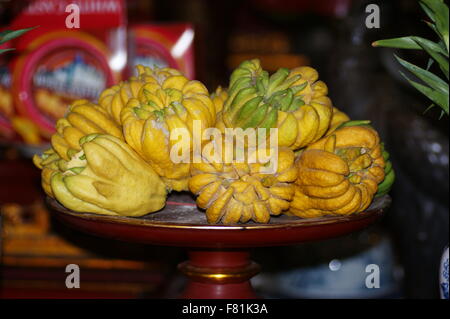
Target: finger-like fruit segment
x,y
160,122
258,101
238,192
83,118
113,180
339,175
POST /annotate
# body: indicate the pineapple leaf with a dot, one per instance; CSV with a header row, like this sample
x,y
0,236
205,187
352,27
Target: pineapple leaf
x,y
442,61
433,27
11,34
439,15
428,11
398,43
437,89
428,108
408,43
437,97
426,76
429,63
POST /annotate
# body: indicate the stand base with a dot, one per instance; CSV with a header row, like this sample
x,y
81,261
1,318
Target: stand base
x,y
219,274
224,271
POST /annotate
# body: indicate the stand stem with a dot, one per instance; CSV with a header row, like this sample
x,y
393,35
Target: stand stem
x,y
219,274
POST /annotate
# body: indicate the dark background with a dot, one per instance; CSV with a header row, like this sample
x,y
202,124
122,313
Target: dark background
x,y
363,81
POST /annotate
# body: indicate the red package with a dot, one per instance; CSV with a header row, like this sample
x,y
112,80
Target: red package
x,y
162,45
13,127
57,64
6,100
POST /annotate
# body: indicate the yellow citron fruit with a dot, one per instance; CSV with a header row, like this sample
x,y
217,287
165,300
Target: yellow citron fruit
x,y
337,119
114,99
219,96
82,118
239,192
162,119
313,119
48,163
108,177
339,174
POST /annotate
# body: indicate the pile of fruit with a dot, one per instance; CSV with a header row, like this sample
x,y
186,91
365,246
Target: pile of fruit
x,y
115,157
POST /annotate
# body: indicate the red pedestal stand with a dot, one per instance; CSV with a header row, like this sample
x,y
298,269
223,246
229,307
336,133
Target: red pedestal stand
x,y
219,264
219,274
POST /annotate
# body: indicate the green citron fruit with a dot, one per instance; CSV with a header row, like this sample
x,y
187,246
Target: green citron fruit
x,y
293,101
389,175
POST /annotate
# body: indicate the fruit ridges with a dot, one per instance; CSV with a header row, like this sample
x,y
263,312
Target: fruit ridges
x,y
122,156
239,192
339,174
167,103
83,118
294,101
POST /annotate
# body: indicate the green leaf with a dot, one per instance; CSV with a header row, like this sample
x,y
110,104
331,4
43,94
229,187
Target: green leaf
x,y
442,45
409,43
439,11
435,88
432,46
429,63
428,108
437,97
433,27
399,43
2,33
429,78
6,50
11,34
442,61
429,13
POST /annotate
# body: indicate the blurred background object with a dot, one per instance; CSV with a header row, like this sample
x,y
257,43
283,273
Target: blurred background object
x,y
368,85
443,275
162,45
212,38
